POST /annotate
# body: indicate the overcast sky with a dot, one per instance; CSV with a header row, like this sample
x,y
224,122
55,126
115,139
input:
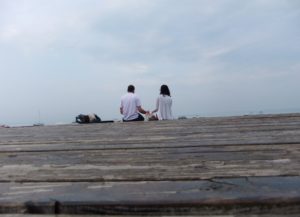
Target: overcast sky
x,y
219,57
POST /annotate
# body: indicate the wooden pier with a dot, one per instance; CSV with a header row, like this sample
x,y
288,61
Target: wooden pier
x,y
227,166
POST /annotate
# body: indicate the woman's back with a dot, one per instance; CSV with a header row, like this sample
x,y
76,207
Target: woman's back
x,y
164,106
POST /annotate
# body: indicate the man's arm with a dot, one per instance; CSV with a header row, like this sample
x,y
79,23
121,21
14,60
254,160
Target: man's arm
x,y
141,110
121,106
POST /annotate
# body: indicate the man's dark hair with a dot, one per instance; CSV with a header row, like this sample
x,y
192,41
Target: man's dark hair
x,y
130,89
164,90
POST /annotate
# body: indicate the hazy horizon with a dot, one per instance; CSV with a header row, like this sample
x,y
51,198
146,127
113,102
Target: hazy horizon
x,y
226,57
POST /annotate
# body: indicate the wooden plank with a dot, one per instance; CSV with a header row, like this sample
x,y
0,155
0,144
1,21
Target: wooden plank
x,y
49,140
173,215
217,196
147,164
125,169
72,133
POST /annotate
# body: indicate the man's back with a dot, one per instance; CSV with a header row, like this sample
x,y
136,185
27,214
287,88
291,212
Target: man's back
x,y
129,104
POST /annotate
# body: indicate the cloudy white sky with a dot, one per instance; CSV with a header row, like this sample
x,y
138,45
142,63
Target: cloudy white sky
x,y
219,57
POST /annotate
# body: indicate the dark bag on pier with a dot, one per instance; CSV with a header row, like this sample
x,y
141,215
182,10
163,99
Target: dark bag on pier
x,y
86,119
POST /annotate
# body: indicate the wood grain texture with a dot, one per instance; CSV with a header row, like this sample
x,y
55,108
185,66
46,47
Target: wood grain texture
x,y
56,165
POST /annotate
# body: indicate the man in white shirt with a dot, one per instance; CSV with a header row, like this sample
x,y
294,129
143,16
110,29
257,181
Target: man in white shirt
x,y
131,106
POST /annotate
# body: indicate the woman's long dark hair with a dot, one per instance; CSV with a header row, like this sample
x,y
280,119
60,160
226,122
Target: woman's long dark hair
x,y
164,90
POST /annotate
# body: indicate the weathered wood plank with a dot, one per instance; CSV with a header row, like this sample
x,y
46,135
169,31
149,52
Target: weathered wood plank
x,y
173,215
139,141
147,164
153,130
217,196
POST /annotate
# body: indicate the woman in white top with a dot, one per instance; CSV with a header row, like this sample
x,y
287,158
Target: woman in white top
x,y
164,104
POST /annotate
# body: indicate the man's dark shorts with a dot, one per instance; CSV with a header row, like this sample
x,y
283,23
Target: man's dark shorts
x,y
139,118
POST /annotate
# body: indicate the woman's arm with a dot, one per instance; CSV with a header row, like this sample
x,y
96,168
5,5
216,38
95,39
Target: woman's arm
x,y
157,106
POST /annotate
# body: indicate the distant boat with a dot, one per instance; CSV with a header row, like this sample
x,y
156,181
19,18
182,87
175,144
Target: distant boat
x,y
39,124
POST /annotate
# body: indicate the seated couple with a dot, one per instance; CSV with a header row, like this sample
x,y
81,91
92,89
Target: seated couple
x,y
131,106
